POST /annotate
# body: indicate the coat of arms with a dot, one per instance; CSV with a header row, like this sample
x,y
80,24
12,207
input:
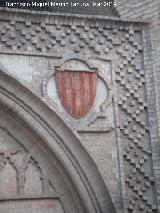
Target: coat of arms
x,y
76,84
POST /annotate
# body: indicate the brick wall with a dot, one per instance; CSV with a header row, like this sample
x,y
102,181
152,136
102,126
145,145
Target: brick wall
x,y
148,10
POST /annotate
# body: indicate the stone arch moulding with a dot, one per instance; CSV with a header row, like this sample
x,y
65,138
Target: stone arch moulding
x,y
65,153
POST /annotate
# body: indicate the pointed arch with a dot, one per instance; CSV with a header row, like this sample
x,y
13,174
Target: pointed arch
x,y
57,139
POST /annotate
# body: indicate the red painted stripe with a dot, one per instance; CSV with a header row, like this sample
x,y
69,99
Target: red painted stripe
x,y
77,91
87,92
82,94
78,94
74,94
91,89
68,107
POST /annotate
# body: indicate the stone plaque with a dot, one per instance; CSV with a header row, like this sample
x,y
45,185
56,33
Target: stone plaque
x,y
76,84
31,206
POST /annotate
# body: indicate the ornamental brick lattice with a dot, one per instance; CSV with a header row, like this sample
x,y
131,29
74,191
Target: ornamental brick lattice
x,y
95,75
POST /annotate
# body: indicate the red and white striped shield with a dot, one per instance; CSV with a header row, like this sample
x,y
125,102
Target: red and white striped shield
x,y
77,90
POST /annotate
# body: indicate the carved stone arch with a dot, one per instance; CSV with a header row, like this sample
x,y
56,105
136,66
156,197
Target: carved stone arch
x,y
44,135
73,57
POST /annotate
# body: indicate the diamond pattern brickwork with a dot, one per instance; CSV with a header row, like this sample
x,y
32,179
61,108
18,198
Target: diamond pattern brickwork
x,y
103,40
60,37
134,127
